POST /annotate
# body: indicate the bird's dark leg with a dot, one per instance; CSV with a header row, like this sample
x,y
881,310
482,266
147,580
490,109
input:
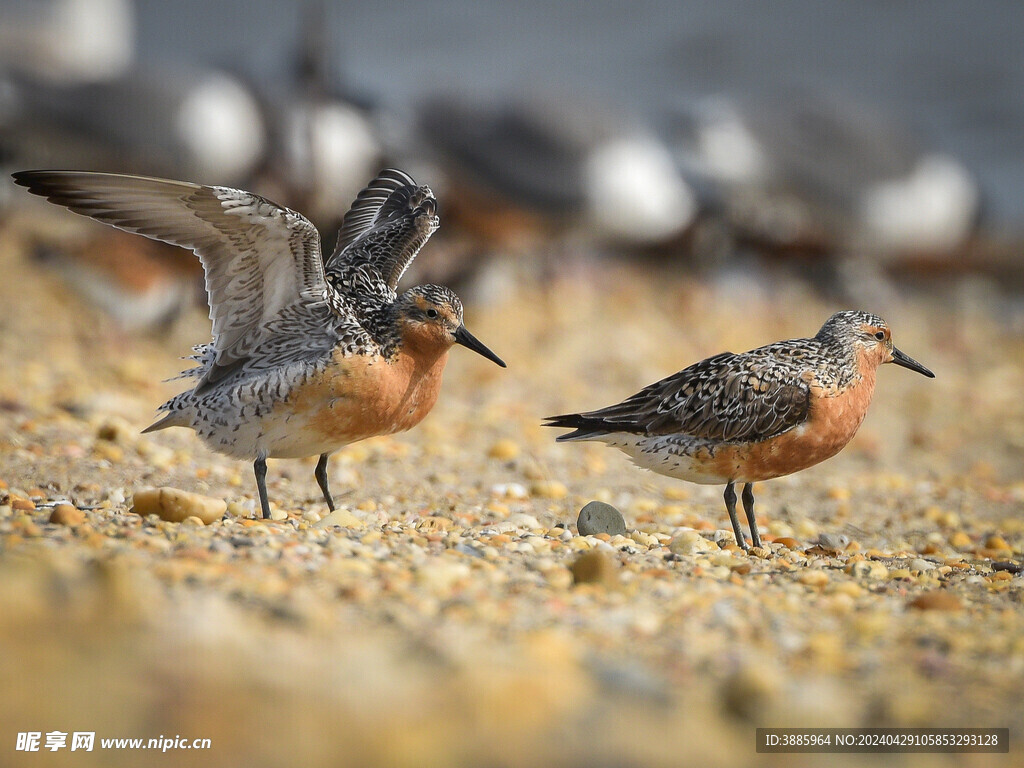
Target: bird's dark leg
x,y
730,504
322,481
748,507
260,468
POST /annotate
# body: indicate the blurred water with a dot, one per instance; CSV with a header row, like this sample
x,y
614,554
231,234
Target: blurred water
x,y
953,71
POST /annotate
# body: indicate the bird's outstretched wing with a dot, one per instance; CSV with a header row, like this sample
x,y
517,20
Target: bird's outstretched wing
x,y
264,270
726,397
388,224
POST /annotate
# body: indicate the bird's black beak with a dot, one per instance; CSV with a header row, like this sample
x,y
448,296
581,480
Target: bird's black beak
x,y
908,362
468,340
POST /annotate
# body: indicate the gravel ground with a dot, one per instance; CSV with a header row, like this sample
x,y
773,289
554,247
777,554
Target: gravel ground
x,y
449,614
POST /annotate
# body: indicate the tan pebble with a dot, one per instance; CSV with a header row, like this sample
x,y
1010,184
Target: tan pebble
x,y
498,508
788,542
677,493
960,540
27,526
580,543
593,568
848,588
761,552
899,573
310,516
1001,576
814,578
174,505
807,529
559,578
369,505
66,514
523,520
996,541
109,451
741,568
644,539
192,520
687,543
727,561
936,600
749,691
549,489
990,554
442,576
22,505
434,523
841,603
278,514
342,518
540,544
504,450
868,569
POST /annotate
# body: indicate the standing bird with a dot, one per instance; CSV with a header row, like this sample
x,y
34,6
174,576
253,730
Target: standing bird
x,y
744,418
307,355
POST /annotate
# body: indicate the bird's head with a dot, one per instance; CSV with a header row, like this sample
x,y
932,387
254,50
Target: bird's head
x,y
430,319
871,339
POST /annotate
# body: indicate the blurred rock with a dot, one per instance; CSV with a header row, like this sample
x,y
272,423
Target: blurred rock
x,y
820,175
559,162
67,41
598,517
202,126
175,505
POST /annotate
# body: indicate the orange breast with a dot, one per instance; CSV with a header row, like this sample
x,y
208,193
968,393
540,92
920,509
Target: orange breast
x,y
833,420
355,398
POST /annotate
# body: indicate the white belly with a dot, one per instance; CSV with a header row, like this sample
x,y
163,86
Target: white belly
x,y
670,455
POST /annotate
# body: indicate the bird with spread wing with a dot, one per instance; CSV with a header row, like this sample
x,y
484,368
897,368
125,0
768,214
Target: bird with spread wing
x,y
308,354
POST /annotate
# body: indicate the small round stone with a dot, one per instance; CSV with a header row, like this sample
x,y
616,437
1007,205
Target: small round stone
x,y
598,517
936,600
960,540
814,578
174,505
340,517
66,514
593,567
995,541
504,450
834,541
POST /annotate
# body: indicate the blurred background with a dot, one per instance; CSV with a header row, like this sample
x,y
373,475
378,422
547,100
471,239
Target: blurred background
x,y
866,142
625,188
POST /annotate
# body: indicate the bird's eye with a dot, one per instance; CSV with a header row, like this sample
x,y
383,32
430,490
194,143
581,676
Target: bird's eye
x,y
432,314
879,335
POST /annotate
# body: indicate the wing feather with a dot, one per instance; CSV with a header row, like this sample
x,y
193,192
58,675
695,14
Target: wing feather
x,y
262,261
388,224
726,397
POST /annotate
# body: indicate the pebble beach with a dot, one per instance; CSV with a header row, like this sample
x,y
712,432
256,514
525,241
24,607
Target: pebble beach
x,y
450,612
